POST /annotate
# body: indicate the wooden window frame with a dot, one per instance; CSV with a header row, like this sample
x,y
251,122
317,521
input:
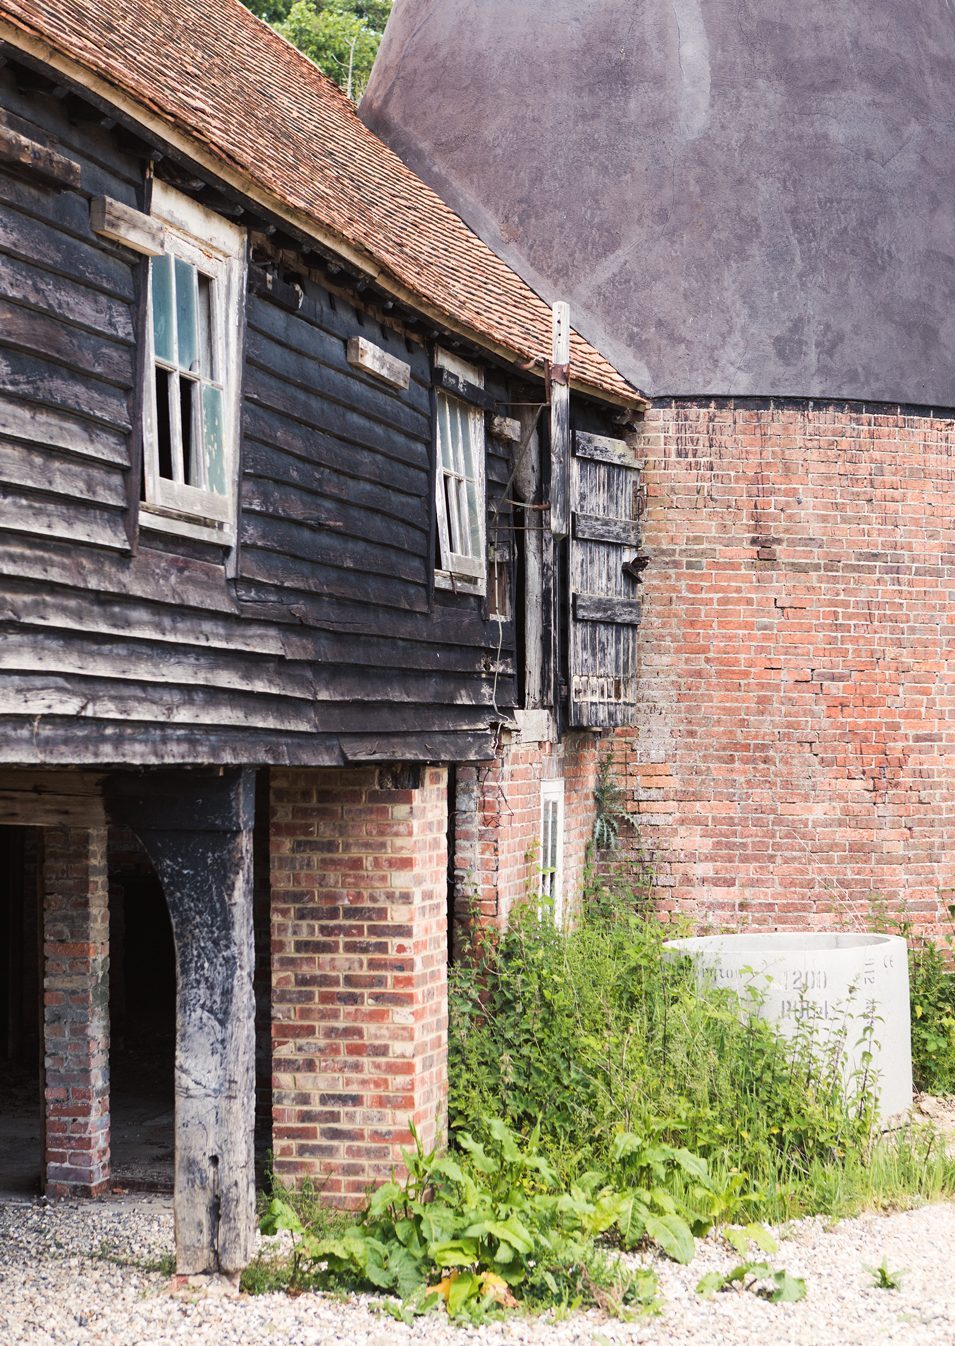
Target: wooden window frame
x,y
464,572
216,248
552,848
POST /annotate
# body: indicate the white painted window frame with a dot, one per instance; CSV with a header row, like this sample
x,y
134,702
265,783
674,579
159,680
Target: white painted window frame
x,y
552,849
218,249
465,572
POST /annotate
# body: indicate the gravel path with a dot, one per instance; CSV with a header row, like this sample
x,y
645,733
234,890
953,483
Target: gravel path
x,y
78,1274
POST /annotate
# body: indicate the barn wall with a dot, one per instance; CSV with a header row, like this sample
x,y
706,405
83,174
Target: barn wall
x,y
327,644
794,761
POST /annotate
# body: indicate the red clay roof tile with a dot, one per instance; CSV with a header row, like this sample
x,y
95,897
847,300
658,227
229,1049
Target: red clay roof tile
x,y
214,72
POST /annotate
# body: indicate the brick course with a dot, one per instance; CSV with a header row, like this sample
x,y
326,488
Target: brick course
x,y
359,973
76,1011
795,754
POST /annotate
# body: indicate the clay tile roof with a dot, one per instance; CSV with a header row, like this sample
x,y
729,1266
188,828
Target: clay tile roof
x,y
211,71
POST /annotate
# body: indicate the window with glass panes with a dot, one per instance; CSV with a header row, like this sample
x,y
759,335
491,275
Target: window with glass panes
x,y
460,488
552,847
192,374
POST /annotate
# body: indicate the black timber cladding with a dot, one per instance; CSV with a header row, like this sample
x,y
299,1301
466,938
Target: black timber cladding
x,y
328,643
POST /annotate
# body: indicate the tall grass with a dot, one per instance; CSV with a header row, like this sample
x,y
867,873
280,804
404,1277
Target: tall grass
x,y
593,1032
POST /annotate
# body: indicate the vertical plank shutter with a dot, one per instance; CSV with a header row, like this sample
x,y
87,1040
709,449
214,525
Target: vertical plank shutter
x,y
605,608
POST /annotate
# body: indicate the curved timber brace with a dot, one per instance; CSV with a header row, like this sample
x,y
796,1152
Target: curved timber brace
x,y
196,828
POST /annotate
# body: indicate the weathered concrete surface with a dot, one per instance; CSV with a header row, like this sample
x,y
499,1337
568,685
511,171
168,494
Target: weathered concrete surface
x,y
736,196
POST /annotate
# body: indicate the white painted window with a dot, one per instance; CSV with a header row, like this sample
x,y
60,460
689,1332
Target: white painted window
x,y
191,403
459,484
552,848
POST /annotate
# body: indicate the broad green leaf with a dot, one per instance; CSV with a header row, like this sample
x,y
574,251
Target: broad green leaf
x,y
789,1289
673,1235
464,1286
710,1284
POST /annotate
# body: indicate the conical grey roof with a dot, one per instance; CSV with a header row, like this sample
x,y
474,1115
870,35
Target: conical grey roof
x,y
737,197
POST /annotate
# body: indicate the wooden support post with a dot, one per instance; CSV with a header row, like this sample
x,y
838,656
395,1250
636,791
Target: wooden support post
x,y
196,828
560,424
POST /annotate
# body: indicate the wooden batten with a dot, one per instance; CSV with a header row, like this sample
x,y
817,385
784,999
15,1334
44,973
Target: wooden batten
x,y
40,161
371,359
51,799
121,224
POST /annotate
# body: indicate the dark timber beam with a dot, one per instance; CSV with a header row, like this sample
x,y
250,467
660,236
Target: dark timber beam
x,y
196,827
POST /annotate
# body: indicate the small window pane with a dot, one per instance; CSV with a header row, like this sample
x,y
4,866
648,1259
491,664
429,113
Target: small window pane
x,y
163,425
164,328
186,316
213,439
187,414
206,357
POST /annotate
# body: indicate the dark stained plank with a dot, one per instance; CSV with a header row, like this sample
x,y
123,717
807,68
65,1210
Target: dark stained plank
x,y
356,585
289,450
279,504
53,473
26,378
70,301
25,512
46,335
46,246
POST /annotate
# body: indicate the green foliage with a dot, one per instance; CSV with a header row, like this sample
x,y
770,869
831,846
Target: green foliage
x,y
593,1033
610,807
478,1231
885,1279
341,36
932,991
779,1287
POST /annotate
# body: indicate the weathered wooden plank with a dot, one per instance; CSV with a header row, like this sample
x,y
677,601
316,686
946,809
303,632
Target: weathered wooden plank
x,y
455,626
560,423
47,335
44,245
588,608
122,224
593,528
421,748
322,331
56,474
68,210
371,359
384,498
38,381
53,605
280,504
25,512
39,160
57,430
316,578
115,743
177,582
345,419
288,450
51,799
603,449
69,301
34,695
76,653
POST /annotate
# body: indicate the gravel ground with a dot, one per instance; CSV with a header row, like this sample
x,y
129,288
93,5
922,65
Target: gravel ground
x,y
77,1274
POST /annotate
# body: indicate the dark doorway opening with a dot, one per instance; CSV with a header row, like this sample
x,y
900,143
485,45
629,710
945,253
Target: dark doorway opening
x,y
142,1021
21,1113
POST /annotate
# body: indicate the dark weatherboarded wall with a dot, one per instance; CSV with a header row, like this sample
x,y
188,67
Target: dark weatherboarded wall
x,y
325,643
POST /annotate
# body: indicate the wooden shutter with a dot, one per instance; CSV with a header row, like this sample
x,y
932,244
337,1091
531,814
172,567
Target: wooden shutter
x,y
605,607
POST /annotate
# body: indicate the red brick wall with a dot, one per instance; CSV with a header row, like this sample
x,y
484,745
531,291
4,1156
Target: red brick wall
x,y
795,757
497,826
76,1011
359,972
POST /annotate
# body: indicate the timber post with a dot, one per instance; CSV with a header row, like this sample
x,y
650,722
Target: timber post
x,y
196,827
